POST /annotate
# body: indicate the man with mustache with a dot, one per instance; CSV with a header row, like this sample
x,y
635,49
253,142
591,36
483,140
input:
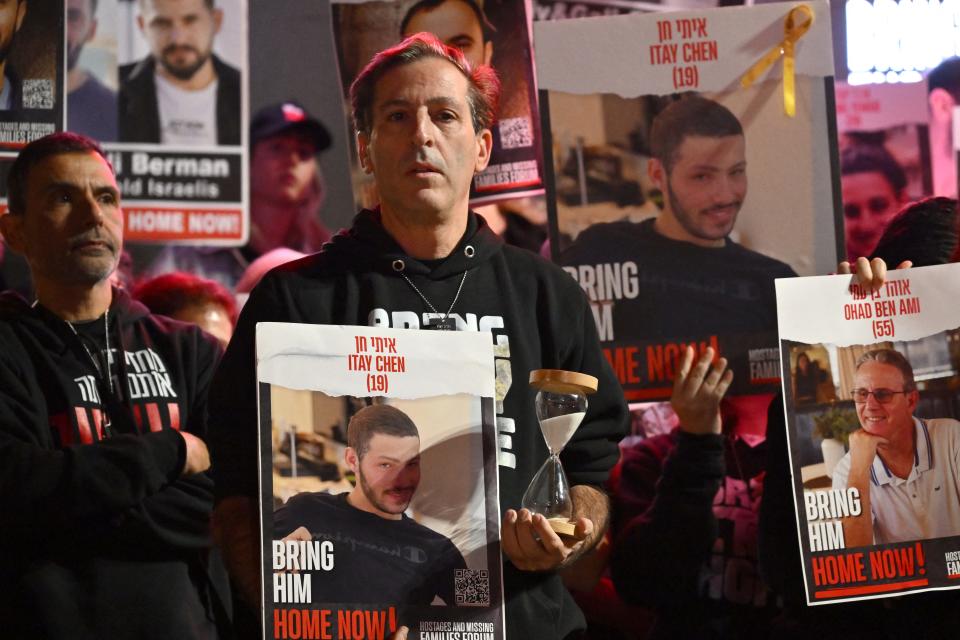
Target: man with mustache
x,y
102,410
694,493
382,555
906,469
182,93
423,260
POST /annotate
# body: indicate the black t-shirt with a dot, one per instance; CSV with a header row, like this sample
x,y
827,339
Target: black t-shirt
x,y
101,344
93,335
692,290
653,295
375,560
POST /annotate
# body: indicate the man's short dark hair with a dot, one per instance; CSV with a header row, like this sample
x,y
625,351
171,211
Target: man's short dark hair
x,y
171,293
378,418
36,152
483,92
893,358
429,5
873,158
691,115
924,232
946,76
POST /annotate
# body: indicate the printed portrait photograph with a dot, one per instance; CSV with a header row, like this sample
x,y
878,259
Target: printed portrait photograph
x,y
374,477
602,153
181,73
892,406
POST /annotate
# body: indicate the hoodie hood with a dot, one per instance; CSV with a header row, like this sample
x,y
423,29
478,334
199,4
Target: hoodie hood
x,y
368,244
14,307
54,335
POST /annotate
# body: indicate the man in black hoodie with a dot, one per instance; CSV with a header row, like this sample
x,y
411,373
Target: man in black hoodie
x,y
422,259
105,504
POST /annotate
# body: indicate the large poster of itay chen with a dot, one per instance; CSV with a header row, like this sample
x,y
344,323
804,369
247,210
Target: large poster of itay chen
x,y
870,386
163,85
492,32
689,163
378,472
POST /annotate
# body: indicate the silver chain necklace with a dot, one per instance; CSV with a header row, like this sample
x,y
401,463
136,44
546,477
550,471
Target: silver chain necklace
x,y
108,432
443,316
106,339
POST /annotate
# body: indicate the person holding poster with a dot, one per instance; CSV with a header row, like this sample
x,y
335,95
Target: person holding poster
x,y
423,260
904,495
182,93
106,506
383,451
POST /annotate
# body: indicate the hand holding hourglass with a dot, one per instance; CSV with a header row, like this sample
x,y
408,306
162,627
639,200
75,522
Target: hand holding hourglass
x,y
561,406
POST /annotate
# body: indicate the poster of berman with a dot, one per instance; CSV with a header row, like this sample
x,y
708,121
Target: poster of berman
x,y
367,524
872,405
163,85
675,142
493,32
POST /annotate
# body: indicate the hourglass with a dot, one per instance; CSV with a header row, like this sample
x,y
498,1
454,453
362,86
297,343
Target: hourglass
x,y
561,404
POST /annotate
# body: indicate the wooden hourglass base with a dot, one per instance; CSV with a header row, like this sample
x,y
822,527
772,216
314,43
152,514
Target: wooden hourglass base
x,y
562,526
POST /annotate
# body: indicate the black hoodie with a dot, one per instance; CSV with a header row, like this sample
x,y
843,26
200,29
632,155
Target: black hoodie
x,y
101,537
538,318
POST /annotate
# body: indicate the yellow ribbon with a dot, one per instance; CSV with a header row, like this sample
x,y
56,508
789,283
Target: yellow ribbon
x,y
798,22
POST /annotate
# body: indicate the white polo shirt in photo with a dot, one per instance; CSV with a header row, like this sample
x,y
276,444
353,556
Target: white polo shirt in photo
x,y
925,504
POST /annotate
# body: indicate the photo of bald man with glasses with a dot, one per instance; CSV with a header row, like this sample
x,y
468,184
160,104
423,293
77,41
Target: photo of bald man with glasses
x,y
907,469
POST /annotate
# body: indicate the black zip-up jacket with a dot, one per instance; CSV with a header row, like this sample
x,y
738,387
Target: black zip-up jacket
x,y
101,536
139,113
538,318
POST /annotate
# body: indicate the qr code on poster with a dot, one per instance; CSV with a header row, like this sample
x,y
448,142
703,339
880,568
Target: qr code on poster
x,y
472,587
516,133
38,94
